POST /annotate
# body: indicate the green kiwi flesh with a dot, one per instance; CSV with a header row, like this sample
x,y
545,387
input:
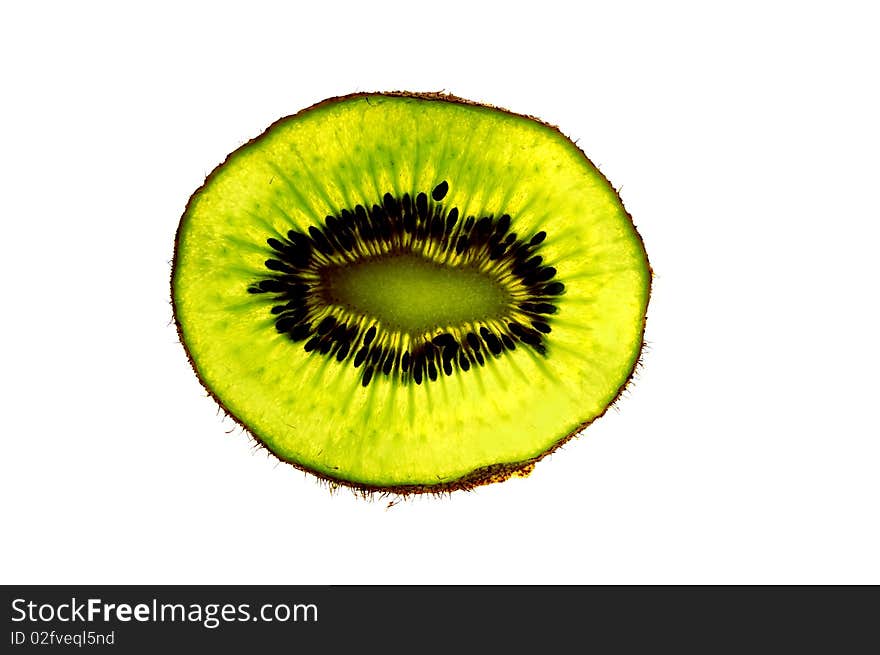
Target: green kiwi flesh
x,y
410,292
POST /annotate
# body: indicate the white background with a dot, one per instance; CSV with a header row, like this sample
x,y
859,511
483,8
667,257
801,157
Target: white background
x,y
746,144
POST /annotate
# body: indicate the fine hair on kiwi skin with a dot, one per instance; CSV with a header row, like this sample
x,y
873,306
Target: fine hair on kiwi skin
x,y
479,476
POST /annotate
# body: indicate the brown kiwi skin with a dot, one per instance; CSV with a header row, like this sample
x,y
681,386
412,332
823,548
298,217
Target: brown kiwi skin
x,y
477,477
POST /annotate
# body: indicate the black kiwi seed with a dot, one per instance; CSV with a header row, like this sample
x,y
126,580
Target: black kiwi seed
x,y
422,205
389,363
326,325
300,332
440,191
540,326
491,341
276,286
451,218
554,289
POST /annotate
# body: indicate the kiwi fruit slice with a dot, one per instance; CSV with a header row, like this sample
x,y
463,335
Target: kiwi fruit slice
x,y
410,292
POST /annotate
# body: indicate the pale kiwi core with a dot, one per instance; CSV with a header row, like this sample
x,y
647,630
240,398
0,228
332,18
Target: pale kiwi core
x,y
412,294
